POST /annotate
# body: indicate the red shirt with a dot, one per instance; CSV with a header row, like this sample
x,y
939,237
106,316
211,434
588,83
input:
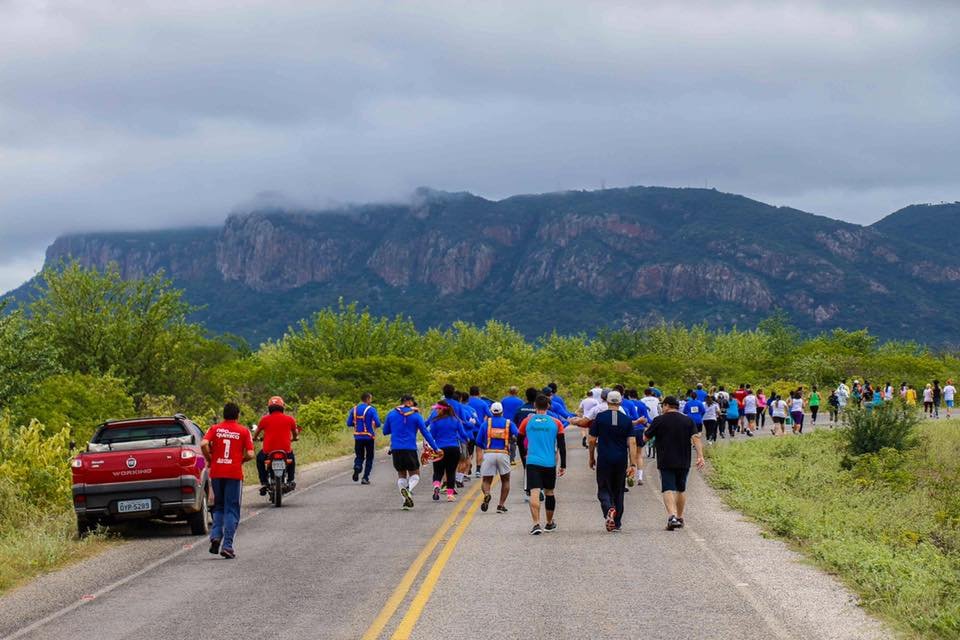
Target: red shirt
x,y
278,429
739,395
228,442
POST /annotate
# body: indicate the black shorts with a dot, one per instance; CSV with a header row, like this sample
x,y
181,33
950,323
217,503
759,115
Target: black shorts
x,y
541,477
406,460
751,417
471,447
674,479
778,420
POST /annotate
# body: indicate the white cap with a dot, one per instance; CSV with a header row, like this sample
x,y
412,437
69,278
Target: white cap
x,y
614,397
496,409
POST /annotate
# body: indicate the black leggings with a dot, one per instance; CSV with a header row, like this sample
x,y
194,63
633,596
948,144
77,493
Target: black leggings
x,y
447,466
610,481
711,427
813,412
762,416
732,424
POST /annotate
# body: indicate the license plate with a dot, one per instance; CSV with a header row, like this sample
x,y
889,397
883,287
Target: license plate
x,y
278,465
132,506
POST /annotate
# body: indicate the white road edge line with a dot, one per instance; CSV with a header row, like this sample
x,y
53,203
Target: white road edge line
x,y
19,633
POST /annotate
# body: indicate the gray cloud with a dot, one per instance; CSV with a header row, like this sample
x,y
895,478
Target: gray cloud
x,y
125,116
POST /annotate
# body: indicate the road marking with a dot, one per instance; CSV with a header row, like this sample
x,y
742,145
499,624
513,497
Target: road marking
x,y
398,595
19,633
419,601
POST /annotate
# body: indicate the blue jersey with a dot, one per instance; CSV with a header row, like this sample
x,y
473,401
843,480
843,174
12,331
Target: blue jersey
x,y
541,432
695,409
364,419
448,432
559,408
402,425
495,433
701,395
481,408
511,404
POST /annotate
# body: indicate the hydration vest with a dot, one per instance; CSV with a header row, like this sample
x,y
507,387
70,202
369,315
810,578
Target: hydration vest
x,y
360,420
502,433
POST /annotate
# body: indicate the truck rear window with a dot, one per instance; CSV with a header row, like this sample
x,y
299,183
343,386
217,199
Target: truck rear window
x,y
139,433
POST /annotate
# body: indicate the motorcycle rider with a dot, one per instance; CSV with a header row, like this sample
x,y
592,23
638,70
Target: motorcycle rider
x,y
278,431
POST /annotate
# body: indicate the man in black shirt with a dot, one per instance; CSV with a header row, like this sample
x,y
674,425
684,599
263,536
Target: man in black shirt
x,y
674,432
612,438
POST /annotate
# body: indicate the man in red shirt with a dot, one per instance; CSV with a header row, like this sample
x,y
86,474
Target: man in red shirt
x,y
278,431
740,395
226,446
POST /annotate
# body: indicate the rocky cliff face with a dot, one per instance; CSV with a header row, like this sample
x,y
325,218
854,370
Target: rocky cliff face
x,y
571,261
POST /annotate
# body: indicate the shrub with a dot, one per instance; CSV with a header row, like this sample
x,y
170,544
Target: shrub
x,y
323,417
891,425
37,463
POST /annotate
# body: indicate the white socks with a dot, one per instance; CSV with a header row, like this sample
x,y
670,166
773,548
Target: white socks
x,y
401,483
413,481
459,477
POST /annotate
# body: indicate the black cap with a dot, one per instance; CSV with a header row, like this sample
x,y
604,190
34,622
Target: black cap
x,y
547,391
672,401
407,398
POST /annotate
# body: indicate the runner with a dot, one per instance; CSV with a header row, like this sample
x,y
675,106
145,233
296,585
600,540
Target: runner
x,y
711,417
402,425
911,396
587,405
937,397
949,392
653,410
674,433
739,395
928,400
656,392
482,411
364,420
226,446
733,416
750,412
701,394
796,411
694,408
814,403
843,395
511,404
544,438
778,411
612,439
833,404
449,434
494,438
761,408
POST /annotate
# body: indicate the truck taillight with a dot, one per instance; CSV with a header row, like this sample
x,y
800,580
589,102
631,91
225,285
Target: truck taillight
x,y
186,489
80,499
187,454
76,463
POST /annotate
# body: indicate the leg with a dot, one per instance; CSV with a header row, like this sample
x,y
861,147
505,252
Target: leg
x,y
357,458
369,448
262,466
232,490
291,468
670,502
504,489
618,477
603,490
535,506
486,483
452,461
550,501
216,532
681,502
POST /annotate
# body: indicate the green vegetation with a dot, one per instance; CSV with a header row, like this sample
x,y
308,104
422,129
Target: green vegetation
x,y
91,346
887,522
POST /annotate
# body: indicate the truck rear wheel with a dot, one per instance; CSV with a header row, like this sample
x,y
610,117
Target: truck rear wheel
x,y
199,525
85,526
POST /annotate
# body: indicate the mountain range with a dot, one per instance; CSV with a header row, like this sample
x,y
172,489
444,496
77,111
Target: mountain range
x,y
570,261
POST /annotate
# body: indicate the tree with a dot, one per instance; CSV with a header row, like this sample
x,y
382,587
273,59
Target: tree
x,y
25,357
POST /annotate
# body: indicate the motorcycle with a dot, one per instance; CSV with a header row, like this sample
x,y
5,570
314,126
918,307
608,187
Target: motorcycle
x,y
277,484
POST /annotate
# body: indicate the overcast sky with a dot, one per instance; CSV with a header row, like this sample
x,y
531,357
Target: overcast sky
x,y
128,115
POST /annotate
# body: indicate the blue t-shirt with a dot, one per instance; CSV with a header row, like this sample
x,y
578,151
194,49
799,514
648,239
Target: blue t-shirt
x,y
448,432
613,429
495,444
541,431
402,425
695,409
511,404
481,408
701,395
733,411
364,419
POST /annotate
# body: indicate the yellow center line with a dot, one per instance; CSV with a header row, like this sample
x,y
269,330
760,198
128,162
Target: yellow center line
x,y
413,614
396,598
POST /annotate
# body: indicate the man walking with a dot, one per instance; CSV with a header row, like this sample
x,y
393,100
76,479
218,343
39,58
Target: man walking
x,y
494,438
544,437
365,421
612,442
674,432
226,446
402,425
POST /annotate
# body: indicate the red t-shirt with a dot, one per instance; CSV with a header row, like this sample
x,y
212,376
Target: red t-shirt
x,y
278,429
739,395
228,442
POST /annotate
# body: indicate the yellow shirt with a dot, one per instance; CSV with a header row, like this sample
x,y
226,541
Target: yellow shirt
x,y
911,396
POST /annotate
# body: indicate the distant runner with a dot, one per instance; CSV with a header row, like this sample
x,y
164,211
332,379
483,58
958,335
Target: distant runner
x,y
364,420
674,433
449,434
226,446
402,425
949,392
613,445
544,436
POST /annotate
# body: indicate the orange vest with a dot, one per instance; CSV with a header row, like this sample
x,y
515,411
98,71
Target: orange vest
x,y
500,434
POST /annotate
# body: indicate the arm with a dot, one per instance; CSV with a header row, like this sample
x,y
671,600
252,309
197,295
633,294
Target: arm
x,y
247,447
386,425
427,436
562,448
350,418
592,446
205,448
699,447
375,419
634,456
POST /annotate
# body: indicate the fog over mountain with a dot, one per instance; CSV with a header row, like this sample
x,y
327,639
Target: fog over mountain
x,y
150,115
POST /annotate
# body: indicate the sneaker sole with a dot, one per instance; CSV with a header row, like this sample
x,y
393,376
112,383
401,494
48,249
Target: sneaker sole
x,y
486,503
611,521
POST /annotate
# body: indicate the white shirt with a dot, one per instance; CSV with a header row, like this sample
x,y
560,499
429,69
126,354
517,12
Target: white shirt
x,y
723,395
948,392
779,409
653,406
711,412
750,404
796,404
928,395
586,405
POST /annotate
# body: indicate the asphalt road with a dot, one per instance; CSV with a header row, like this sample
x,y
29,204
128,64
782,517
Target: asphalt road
x,y
341,560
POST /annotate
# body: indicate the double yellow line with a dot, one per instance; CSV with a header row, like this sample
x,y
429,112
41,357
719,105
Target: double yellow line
x,y
471,500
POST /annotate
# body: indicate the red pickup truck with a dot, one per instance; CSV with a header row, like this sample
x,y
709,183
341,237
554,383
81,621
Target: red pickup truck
x,y
142,468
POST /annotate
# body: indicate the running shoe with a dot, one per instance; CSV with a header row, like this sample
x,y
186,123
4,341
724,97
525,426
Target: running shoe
x,y
673,522
640,476
749,434
263,489
536,530
356,474
291,486
365,481
214,547
476,474
229,554
550,526
611,521
680,520
501,509
436,494
407,499
486,503
459,484
451,497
